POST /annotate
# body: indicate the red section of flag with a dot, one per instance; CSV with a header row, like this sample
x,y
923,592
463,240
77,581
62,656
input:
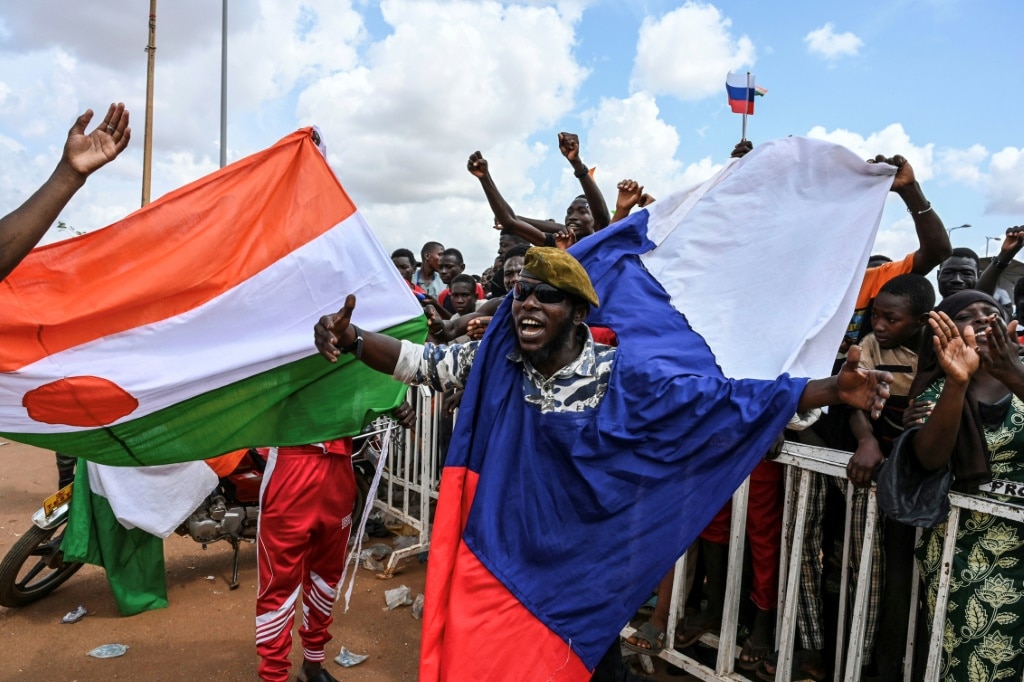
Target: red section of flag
x,y
79,401
470,617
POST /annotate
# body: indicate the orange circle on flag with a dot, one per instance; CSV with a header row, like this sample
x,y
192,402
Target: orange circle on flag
x,y
79,401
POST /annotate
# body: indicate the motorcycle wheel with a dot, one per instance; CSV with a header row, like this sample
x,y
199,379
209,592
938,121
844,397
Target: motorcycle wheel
x,y
34,568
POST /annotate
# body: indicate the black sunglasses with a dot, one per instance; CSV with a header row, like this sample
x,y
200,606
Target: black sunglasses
x,y
545,293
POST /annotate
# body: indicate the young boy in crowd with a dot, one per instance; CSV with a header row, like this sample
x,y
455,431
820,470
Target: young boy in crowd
x,y
451,266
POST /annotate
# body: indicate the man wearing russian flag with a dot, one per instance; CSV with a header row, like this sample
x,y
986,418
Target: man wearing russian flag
x,y
502,599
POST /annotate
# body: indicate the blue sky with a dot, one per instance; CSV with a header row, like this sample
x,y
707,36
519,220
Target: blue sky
x,y
405,90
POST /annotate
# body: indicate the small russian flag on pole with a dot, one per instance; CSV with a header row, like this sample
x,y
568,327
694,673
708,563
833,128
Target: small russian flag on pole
x,y
741,90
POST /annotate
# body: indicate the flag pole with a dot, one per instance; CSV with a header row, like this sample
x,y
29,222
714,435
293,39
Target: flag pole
x,y
746,108
224,84
147,148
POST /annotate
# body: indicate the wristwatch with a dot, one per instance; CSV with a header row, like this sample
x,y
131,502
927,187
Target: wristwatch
x,y
357,347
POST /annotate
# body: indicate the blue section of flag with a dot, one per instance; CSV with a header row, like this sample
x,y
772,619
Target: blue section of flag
x,y
739,94
581,515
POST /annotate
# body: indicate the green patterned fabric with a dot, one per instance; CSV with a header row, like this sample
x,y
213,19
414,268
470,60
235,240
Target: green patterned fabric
x,y
983,638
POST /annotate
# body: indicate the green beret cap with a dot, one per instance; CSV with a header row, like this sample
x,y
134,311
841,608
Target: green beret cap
x,y
560,270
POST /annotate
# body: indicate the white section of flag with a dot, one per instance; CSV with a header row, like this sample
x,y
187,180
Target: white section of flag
x,y
156,499
794,250
264,322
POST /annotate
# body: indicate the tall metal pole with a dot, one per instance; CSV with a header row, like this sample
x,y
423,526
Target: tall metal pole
x,y
224,85
147,151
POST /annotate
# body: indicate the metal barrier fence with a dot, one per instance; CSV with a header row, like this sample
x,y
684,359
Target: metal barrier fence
x,y
802,461
409,488
411,475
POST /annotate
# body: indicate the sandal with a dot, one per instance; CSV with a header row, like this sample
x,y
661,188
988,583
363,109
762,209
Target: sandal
x,y
691,633
807,665
752,654
649,633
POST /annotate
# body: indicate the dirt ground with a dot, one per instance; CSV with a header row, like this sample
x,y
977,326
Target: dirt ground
x,y
207,632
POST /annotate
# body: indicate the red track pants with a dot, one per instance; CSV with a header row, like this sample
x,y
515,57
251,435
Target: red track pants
x,y
764,531
305,518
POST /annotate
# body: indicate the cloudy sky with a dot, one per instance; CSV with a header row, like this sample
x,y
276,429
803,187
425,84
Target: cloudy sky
x,y
405,90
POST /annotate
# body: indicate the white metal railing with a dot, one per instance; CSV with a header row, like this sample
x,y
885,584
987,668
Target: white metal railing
x,y
802,462
411,478
411,474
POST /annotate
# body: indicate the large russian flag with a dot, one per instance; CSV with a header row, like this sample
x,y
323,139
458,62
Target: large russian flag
x,y
552,529
184,330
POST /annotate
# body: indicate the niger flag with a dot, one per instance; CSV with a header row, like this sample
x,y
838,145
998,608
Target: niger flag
x,y
185,330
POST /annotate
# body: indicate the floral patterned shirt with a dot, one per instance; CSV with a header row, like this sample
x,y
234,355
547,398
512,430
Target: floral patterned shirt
x,y
577,387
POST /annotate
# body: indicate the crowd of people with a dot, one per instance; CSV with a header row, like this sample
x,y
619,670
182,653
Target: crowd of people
x,y
894,316
943,383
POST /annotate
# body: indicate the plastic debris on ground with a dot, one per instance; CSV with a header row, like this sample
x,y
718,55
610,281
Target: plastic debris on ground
x,y
75,616
403,541
397,597
373,557
347,659
377,552
417,607
109,651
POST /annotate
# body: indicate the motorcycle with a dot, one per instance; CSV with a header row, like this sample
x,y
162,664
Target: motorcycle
x,y
34,567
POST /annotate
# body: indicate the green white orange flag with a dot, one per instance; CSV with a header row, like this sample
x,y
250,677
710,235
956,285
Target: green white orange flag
x,y
185,330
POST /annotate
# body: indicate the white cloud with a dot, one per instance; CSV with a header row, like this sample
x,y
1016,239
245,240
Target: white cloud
x,y
629,139
825,42
889,141
1005,193
451,78
687,53
963,165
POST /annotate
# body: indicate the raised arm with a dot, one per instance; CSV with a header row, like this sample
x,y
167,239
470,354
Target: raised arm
x,y
506,217
958,357
22,228
1012,244
630,194
932,238
569,145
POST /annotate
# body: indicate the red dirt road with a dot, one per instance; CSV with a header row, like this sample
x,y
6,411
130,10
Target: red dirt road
x,y
207,632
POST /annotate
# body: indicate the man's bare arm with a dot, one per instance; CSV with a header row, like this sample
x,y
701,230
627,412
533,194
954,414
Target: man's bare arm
x,y
22,228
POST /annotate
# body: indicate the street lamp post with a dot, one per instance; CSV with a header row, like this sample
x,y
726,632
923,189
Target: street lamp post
x,y
990,239
949,230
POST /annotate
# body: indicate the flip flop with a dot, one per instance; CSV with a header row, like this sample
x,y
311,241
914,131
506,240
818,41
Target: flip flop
x,y
690,634
650,633
803,667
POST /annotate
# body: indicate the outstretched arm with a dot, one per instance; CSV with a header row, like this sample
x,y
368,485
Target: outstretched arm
x,y
1011,247
864,389
335,333
22,228
506,217
569,145
933,240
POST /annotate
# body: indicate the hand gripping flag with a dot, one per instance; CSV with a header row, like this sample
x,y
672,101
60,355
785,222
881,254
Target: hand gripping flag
x,y
184,331
552,529
741,91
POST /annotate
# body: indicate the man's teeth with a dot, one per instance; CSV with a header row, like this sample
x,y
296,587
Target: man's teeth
x,y
530,327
